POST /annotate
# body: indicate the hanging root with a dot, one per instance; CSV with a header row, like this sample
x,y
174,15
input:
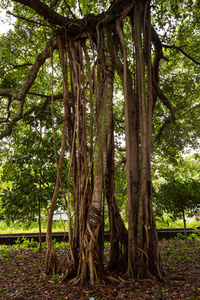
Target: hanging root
x,y
89,269
52,264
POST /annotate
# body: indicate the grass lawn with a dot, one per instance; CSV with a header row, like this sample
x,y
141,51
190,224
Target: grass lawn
x,y
59,226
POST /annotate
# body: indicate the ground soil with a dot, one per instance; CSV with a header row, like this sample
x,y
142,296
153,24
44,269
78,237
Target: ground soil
x,y
22,277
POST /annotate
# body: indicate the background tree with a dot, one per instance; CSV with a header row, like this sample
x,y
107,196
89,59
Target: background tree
x,y
31,168
179,198
176,186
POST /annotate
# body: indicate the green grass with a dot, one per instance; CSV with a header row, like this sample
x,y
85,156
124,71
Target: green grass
x,y
32,227
167,222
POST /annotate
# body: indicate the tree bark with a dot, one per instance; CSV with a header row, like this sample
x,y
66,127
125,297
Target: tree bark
x,y
132,148
91,262
118,231
184,223
147,258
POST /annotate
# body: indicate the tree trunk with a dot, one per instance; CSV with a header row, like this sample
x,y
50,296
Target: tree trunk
x,y
184,223
91,261
118,231
39,224
132,148
147,258
143,254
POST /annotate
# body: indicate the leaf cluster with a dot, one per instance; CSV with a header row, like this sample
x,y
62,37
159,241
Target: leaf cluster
x,y
176,196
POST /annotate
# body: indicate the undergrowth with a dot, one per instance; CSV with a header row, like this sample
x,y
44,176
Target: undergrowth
x,y
29,244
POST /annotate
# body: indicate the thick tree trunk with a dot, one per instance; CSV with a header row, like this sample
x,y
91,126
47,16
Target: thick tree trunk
x,y
80,168
132,149
143,254
147,258
90,259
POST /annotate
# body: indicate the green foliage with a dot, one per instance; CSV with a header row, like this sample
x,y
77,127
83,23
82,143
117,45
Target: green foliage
x,y
166,221
27,243
31,170
55,278
61,245
193,237
30,227
178,25
177,196
179,237
176,187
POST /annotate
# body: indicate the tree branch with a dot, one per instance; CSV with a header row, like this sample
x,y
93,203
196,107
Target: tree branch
x,y
42,107
167,121
32,74
4,120
28,20
179,48
79,6
156,61
21,95
45,11
69,9
195,107
9,92
76,27
17,67
170,119
162,97
54,3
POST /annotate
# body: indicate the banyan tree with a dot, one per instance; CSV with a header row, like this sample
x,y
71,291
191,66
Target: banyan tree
x,y
92,50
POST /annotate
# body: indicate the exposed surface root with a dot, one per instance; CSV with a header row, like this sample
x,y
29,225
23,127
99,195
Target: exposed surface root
x,y
111,279
70,271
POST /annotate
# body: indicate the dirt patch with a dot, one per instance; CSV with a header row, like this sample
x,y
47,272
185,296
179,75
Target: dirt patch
x,y
22,277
